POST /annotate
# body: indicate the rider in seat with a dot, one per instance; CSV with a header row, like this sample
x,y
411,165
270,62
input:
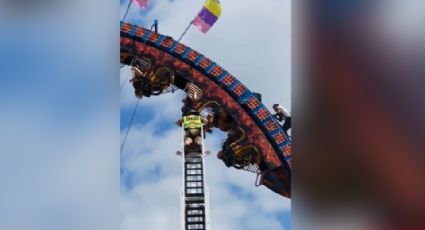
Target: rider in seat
x,y
141,84
225,122
192,124
226,154
161,80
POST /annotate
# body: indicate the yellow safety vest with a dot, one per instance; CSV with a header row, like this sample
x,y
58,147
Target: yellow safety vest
x,y
192,122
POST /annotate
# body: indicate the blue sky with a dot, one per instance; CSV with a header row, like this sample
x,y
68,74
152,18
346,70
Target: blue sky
x,y
150,170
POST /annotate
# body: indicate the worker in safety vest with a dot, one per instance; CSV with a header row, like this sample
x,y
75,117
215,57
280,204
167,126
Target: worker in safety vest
x,y
192,124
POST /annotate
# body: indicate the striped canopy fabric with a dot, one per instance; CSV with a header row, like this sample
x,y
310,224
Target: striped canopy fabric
x,y
208,15
141,3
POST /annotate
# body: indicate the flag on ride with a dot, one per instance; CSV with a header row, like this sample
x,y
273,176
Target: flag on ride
x,y
141,3
208,15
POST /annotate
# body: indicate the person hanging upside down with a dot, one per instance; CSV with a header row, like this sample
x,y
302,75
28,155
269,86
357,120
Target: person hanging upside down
x,y
282,115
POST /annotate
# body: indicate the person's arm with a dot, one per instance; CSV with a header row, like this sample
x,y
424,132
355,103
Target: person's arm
x,y
286,113
278,117
137,71
204,121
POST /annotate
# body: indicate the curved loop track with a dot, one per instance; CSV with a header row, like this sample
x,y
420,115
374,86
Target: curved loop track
x,y
213,76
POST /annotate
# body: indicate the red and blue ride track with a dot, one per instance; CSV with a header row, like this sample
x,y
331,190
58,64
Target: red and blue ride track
x,y
261,130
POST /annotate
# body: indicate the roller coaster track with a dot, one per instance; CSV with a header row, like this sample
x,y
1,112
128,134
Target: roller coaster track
x,y
263,131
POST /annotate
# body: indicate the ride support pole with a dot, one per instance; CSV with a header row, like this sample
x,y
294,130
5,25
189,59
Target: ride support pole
x,y
187,28
128,8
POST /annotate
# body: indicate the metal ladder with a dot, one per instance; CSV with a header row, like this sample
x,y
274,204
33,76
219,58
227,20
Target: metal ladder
x,y
194,200
194,192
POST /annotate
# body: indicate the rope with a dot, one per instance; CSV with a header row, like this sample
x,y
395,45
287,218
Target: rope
x,y
187,28
129,125
126,12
